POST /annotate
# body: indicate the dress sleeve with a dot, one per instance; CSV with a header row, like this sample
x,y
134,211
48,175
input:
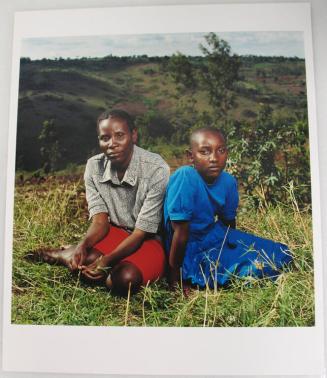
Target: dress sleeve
x,y
232,200
95,202
150,215
180,196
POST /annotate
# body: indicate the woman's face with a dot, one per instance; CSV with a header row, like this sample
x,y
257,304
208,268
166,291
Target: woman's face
x,y
208,154
117,141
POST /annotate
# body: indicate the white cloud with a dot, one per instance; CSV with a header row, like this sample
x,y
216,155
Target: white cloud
x,y
256,43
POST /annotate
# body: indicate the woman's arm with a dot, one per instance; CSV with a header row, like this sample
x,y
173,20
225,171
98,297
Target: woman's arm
x,y
177,250
128,246
97,230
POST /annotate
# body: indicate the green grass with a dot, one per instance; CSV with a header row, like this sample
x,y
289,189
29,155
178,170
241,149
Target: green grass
x,y
54,213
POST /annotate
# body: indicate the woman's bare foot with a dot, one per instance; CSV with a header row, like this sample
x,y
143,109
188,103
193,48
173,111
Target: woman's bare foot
x,y
61,256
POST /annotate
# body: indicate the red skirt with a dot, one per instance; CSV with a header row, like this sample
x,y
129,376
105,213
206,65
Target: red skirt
x,y
150,258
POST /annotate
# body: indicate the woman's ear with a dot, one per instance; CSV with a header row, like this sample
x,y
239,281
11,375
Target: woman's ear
x,y
134,136
189,155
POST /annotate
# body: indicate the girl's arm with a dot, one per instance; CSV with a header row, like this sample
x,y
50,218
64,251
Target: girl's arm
x,y
231,223
177,250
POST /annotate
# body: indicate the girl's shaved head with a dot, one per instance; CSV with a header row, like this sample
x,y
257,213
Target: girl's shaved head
x,y
194,137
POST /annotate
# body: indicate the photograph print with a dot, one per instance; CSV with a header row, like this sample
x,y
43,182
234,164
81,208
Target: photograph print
x,y
163,180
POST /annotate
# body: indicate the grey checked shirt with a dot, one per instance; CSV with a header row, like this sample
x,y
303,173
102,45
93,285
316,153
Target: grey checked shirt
x,y
134,202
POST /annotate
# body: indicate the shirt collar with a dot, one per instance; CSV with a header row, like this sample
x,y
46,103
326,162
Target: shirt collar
x,y
130,176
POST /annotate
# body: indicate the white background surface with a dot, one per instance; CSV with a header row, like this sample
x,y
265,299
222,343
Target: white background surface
x,y
319,22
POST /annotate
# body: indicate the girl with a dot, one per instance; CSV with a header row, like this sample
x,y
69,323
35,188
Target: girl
x,y
200,220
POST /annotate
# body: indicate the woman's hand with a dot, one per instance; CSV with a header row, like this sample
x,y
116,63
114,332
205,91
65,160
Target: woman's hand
x,y
97,271
78,257
97,230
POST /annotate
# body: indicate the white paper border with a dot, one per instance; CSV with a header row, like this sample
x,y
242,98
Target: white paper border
x,y
246,351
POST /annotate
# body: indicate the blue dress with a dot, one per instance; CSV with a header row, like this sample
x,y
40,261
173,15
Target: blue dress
x,y
215,253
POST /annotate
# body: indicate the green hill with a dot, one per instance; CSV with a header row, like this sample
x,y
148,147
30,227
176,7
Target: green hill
x,y
73,92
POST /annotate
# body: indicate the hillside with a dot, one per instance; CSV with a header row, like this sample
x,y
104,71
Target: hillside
x,y
73,92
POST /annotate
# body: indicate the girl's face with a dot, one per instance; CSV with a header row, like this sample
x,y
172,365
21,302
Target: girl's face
x,y
208,154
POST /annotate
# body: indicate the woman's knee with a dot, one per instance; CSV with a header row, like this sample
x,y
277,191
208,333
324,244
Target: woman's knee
x,y
125,277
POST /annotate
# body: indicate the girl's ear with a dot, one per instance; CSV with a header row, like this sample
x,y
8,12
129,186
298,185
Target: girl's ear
x,y
189,155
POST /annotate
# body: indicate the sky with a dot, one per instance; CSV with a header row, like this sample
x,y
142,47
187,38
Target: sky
x,y
287,44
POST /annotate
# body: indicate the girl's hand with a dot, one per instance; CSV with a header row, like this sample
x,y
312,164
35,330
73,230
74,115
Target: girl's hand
x,y
175,282
97,271
173,277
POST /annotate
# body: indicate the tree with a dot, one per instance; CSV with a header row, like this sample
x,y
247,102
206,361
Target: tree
x,y
182,71
219,72
215,73
50,148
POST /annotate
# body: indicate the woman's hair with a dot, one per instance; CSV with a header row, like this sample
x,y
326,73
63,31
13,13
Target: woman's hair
x,y
118,114
211,129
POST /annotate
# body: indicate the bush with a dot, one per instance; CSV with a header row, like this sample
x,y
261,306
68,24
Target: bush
x,y
269,156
